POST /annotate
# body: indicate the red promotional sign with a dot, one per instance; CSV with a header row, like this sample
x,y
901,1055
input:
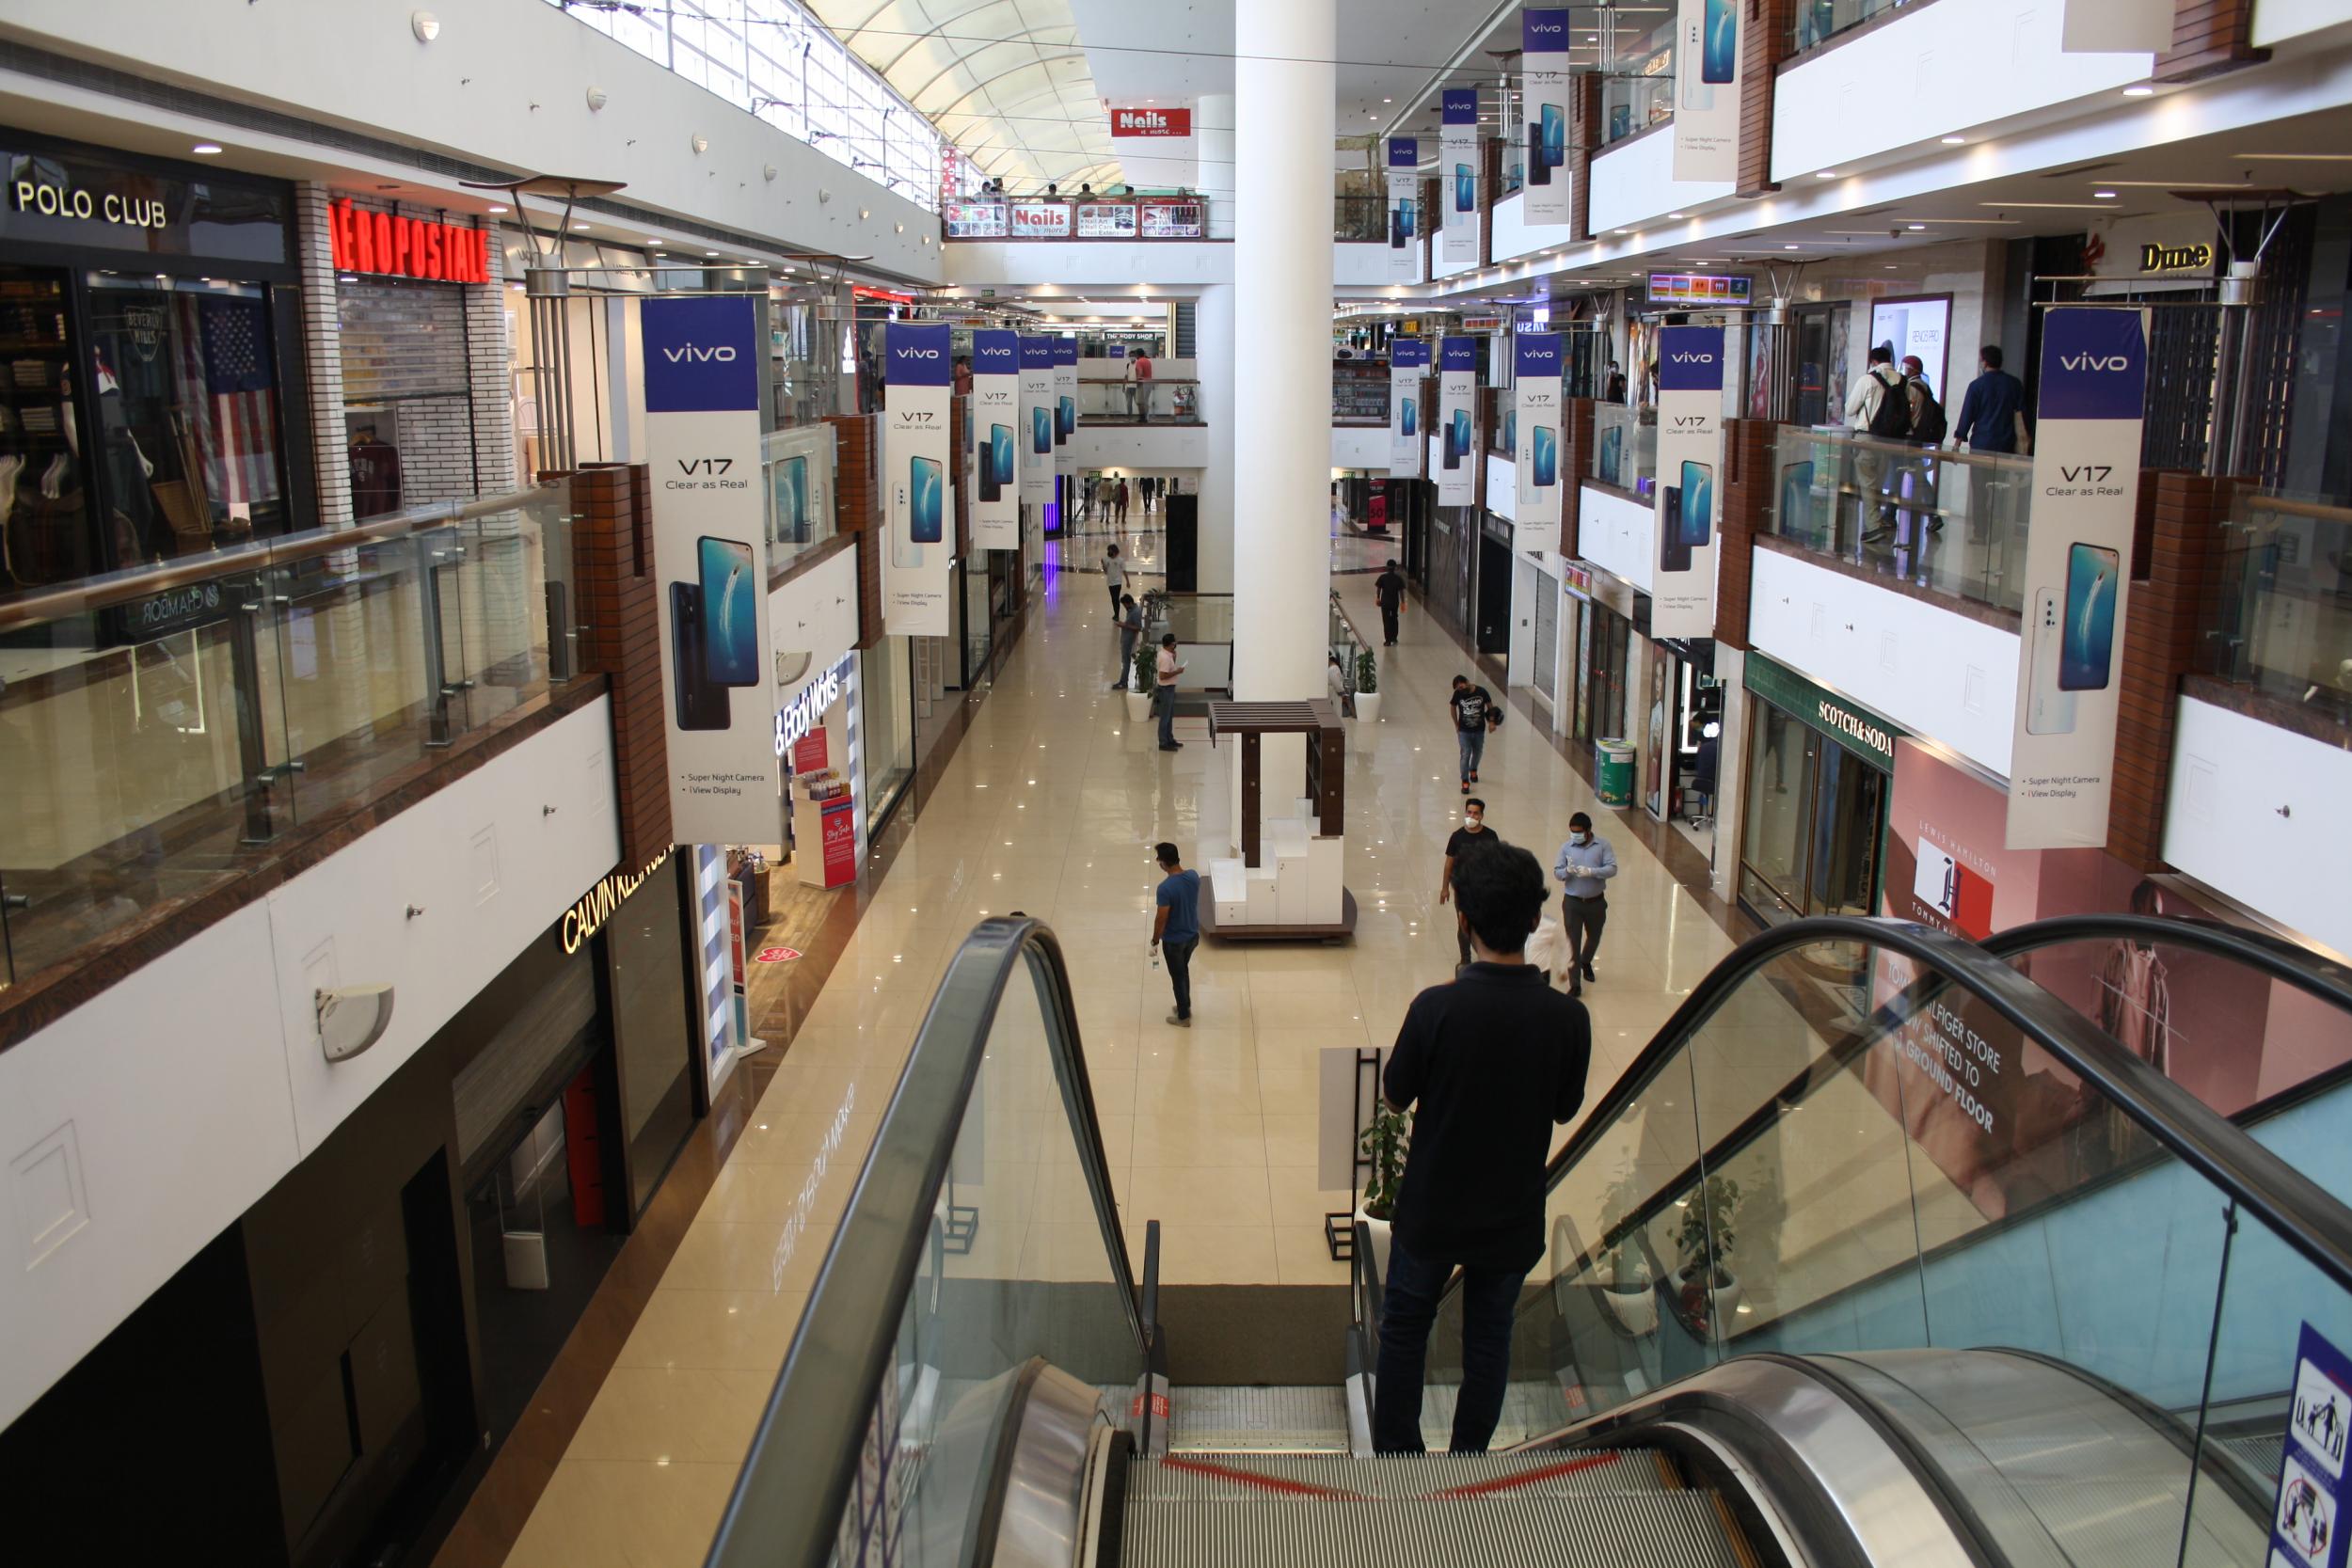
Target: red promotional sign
x,y
775,955
809,752
406,248
840,841
1151,122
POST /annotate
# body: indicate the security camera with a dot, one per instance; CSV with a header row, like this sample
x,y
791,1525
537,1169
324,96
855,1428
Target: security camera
x,y
351,1017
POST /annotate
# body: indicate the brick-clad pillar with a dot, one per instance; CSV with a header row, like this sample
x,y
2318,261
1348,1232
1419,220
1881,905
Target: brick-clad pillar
x,y
2163,636
620,638
1430,211
1584,133
1490,191
1763,45
1746,512
858,510
959,436
323,351
1576,465
2209,36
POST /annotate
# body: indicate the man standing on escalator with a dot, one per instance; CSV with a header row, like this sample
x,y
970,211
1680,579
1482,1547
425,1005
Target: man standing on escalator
x,y
1488,1063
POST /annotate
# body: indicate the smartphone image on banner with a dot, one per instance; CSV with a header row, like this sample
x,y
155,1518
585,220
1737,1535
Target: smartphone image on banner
x,y
1461,435
1796,501
1040,430
1412,416
787,489
1620,121
1556,122
1000,454
2049,707
1698,504
1465,189
924,514
1396,229
1547,457
2087,656
701,705
1718,55
730,612
984,461
1612,446
1065,420
1539,170
1674,550
1405,213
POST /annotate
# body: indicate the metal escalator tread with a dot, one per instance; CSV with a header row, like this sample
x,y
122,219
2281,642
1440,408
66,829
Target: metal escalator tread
x,y
1679,1530
1306,1419
1215,1476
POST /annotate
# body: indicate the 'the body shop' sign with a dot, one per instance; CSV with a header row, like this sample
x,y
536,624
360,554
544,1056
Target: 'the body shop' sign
x,y
367,240
1151,122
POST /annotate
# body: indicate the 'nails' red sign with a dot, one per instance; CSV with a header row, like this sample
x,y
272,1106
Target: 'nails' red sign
x,y
1151,122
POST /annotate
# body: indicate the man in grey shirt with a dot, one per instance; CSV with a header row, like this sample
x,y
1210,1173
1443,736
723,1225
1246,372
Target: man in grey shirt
x,y
1583,869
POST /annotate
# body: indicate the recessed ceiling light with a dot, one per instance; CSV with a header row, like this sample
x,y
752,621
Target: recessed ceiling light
x,y
1790,247
2104,195
2138,92
205,149
579,228
1916,227
710,253
497,208
1955,141
1825,174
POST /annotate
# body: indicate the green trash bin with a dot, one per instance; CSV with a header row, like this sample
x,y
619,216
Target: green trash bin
x,y
1612,772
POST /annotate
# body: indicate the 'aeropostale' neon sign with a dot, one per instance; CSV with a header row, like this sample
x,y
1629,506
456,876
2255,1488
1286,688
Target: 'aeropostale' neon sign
x,y
366,241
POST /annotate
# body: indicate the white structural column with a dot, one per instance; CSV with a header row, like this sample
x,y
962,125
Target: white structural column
x,y
1212,363
1213,146
1282,404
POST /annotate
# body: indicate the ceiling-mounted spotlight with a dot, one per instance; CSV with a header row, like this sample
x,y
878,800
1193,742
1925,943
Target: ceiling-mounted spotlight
x,y
701,143
768,172
425,26
596,98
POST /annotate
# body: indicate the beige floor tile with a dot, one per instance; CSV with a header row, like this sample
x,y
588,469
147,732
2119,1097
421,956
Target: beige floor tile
x,y
683,1414
1213,1254
779,1135
602,1514
715,1329
1199,1138
736,1255
1303,1256
1199,1195
1290,1138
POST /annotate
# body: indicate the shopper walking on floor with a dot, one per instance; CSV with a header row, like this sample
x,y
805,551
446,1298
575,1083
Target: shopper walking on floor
x,y
1121,498
1388,589
1474,714
1473,835
1114,576
1166,694
1583,869
1130,628
1176,926
1488,1064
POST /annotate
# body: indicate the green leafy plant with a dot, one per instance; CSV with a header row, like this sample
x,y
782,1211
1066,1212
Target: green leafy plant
x,y
1384,1143
1367,674
1705,1237
1147,668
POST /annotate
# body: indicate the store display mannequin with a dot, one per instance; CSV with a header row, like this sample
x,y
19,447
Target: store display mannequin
x,y
374,474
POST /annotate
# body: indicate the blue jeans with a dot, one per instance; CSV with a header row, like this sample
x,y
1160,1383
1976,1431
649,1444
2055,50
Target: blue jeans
x,y
1166,696
1473,744
1178,955
1490,1299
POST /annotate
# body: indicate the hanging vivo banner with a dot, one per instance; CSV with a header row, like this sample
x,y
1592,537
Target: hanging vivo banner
x,y
1536,358
1458,174
1543,60
1404,197
1033,432
1690,474
996,440
2085,481
1408,361
1065,402
917,375
1706,97
702,359
1456,437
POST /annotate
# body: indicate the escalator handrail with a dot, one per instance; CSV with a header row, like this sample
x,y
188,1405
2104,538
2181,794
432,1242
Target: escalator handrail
x,y
787,1508
2304,1215
2272,957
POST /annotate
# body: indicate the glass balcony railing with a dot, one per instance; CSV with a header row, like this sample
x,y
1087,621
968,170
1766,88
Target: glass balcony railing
x,y
1624,447
2283,617
1359,219
1817,21
797,464
1162,400
164,726
1950,521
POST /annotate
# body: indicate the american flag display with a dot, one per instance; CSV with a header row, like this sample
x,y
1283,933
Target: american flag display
x,y
226,387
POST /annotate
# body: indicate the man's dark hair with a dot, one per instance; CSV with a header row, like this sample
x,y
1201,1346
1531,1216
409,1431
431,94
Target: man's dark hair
x,y
1167,853
1882,355
1461,680
1500,890
1992,356
1474,801
1580,821
1113,550
1391,564
1169,641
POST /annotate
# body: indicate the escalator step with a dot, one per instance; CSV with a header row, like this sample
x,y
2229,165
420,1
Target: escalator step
x,y
1310,1418
1208,1477
1671,1531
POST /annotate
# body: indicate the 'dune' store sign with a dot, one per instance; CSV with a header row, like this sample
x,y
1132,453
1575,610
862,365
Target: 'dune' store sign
x,y
401,247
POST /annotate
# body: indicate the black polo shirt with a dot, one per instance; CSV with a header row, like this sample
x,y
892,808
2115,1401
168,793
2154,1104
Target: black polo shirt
x,y
1488,1063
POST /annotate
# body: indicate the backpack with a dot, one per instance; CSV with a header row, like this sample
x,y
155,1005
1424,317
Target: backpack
x,y
1927,417
1891,420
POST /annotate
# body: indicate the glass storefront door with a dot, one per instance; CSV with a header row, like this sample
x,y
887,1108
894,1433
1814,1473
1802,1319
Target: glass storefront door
x,y
1816,816
1850,808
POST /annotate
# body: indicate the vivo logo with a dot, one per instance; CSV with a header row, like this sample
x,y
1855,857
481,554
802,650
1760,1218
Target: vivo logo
x,y
2095,361
2086,473
692,352
918,353
1540,354
1544,29
1682,358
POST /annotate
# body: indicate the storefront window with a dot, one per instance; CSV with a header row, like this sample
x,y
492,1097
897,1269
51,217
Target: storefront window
x,y
885,737
44,506
977,619
1779,815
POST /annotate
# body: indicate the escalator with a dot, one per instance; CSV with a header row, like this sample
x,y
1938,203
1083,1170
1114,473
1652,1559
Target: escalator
x,y
1879,1252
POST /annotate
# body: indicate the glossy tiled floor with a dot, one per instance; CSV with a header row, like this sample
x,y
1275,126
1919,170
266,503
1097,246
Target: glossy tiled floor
x,y
1051,806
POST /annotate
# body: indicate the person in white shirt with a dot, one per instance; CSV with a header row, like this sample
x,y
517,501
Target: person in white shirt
x,y
1114,577
1861,412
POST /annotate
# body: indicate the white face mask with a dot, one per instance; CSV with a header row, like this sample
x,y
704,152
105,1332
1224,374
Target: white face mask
x,y
1580,839
1472,822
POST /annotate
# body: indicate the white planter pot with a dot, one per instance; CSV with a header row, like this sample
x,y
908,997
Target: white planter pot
x,y
1379,1229
1726,1301
1139,708
1636,1311
1368,708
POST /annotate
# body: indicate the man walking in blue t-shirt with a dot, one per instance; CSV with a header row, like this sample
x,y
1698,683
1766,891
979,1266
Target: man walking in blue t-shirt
x,y
1176,926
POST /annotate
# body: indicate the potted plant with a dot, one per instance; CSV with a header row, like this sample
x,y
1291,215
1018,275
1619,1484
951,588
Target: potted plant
x,y
1707,1290
1627,1288
1367,688
1146,676
1384,1143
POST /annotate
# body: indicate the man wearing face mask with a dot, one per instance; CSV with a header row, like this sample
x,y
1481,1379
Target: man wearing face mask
x,y
1472,834
1585,864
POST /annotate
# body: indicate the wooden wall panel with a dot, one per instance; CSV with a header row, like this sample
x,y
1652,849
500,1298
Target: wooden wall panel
x,y
1576,465
1584,127
1746,513
2209,36
1764,43
2163,639
858,511
621,639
